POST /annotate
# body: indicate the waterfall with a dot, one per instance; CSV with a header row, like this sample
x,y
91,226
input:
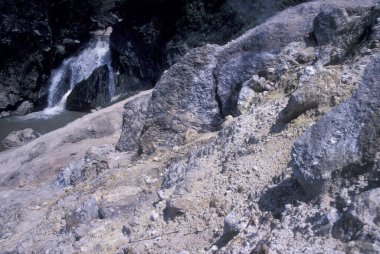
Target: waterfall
x,y
77,68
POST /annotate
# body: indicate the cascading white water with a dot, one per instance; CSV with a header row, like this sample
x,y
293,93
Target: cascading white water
x,y
77,68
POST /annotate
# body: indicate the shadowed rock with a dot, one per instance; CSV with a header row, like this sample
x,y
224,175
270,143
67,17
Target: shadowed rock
x,y
91,93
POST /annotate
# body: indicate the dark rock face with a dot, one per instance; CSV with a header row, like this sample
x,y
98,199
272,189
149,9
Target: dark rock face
x,y
344,143
25,35
35,37
133,122
343,29
327,23
91,93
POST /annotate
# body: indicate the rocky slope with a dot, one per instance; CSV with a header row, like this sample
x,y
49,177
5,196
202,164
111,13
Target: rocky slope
x,y
268,144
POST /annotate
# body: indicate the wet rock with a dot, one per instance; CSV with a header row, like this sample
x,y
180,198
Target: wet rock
x,y
33,44
146,43
344,143
20,138
91,93
133,122
25,108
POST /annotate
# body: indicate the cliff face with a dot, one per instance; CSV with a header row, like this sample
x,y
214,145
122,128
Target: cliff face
x,y
266,144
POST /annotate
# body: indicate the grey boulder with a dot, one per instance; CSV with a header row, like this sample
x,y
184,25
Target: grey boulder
x,y
345,142
184,98
20,138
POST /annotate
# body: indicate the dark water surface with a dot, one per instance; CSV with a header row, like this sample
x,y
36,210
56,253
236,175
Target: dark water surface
x,y
38,121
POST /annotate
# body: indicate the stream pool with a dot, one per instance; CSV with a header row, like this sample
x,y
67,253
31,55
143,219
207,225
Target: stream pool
x,y
38,121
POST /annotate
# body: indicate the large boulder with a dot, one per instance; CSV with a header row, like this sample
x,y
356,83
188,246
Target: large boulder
x,y
345,142
91,93
133,122
184,98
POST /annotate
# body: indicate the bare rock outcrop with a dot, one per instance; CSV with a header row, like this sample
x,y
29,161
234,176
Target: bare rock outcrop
x,y
205,85
345,143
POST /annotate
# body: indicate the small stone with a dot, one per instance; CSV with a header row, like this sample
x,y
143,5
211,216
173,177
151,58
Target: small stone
x,y
126,231
271,70
106,212
154,216
21,182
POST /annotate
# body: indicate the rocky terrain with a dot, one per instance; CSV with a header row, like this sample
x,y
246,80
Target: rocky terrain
x,y
267,144
149,36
